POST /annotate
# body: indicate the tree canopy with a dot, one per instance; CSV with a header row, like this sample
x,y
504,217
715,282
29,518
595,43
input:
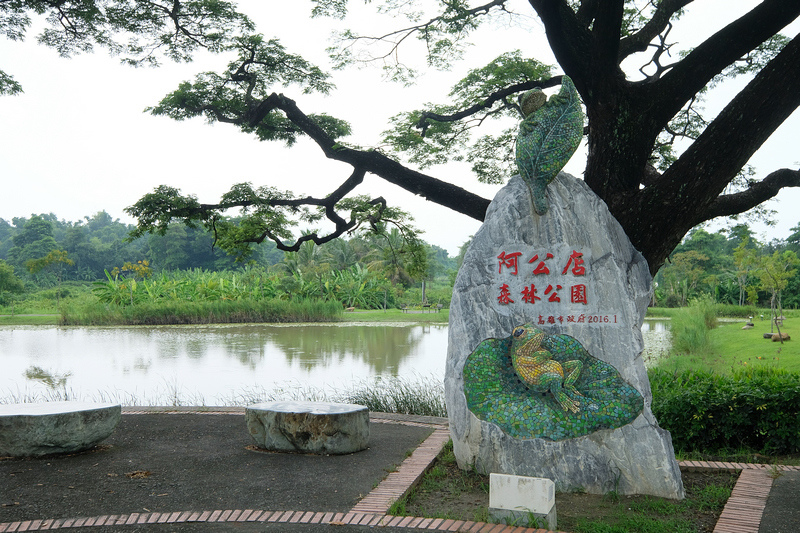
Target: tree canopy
x,y
140,33
658,162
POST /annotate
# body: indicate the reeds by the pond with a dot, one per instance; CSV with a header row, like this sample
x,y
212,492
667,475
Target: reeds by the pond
x,y
417,396
394,395
413,396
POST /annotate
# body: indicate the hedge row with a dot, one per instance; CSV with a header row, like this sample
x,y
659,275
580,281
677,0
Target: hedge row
x,y
753,409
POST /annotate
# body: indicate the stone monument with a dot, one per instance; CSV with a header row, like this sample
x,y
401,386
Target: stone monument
x,y
544,372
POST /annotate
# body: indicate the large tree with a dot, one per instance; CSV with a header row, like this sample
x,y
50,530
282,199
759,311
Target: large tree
x,y
657,162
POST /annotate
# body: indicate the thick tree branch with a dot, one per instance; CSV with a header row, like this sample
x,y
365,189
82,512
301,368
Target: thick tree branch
x,y
209,214
695,71
658,216
587,11
440,192
737,132
606,30
639,41
736,203
487,102
341,229
571,42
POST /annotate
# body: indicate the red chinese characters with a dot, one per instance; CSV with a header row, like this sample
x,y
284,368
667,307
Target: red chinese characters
x,y
505,295
575,266
529,295
553,294
509,261
577,294
541,268
577,319
576,260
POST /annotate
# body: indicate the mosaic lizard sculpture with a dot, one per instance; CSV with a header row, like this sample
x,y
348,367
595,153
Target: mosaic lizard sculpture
x,y
536,368
548,136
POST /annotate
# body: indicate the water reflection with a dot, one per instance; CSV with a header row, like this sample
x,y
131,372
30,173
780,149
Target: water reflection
x,y
382,348
655,333
211,363
655,324
218,360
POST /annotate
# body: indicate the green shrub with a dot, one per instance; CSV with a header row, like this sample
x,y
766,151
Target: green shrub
x,y
757,409
433,294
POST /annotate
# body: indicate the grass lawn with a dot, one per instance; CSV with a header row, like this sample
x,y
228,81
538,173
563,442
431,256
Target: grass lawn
x,y
29,320
733,347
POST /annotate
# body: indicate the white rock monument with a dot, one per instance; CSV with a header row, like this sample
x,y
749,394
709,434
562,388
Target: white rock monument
x,y
570,271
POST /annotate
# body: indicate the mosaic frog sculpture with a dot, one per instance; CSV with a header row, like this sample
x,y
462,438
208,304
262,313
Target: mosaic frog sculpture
x,y
548,136
536,367
533,384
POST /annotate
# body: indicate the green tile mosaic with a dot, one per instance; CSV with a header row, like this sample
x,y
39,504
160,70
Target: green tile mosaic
x,y
548,137
537,385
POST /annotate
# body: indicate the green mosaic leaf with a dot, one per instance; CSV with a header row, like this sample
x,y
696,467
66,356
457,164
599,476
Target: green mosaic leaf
x,y
548,137
495,393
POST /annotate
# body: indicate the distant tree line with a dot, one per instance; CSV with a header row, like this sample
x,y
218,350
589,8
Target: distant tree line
x,y
44,251
733,267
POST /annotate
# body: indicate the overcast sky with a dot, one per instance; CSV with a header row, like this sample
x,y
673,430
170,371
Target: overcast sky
x,y
77,141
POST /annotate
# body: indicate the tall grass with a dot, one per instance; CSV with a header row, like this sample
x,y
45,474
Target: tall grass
x,y
94,313
401,396
736,311
354,287
415,396
691,326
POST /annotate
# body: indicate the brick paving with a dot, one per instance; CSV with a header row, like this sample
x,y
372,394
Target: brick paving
x,y
741,514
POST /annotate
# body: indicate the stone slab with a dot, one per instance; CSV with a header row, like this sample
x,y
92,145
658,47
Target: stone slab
x,y
309,427
526,493
35,429
522,501
525,519
521,269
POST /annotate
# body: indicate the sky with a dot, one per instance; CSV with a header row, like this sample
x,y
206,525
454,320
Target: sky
x,y
77,140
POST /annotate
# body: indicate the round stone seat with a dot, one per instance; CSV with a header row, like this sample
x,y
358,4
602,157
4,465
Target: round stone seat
x,y
33,429
309,427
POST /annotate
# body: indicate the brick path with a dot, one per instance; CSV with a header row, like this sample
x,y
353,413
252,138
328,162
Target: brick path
x,y
742,513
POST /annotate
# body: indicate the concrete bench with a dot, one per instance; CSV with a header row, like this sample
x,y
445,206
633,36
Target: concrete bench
x,y
33,429
309,427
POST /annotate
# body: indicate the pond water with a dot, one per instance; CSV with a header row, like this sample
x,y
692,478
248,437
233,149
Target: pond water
x,y
210,364
216,364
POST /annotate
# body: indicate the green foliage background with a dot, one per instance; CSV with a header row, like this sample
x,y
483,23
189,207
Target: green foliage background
x,y
104,265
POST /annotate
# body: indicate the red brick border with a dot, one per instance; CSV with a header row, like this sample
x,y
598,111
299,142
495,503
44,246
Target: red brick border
x,y
745,508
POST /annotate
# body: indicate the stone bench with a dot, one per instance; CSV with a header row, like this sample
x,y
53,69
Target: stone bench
x,y
309,427
33,429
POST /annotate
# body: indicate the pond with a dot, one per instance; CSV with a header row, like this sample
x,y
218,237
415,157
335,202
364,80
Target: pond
x,y
218,364
212,364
